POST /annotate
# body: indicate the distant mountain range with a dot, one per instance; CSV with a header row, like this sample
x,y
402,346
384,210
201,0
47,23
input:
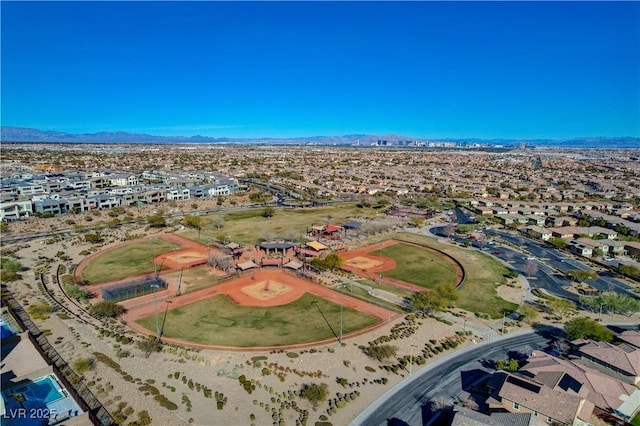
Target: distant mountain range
x,y
23,134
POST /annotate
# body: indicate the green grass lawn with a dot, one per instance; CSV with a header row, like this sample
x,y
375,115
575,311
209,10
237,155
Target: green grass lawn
x,y
220,321
636,420
483,276
418,266
131,259
248,226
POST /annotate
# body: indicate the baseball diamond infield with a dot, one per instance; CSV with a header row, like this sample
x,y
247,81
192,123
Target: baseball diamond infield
x,y
260,289
362,262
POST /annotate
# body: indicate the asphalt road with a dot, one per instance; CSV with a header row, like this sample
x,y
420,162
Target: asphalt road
x,y
562,263
408,401
545,277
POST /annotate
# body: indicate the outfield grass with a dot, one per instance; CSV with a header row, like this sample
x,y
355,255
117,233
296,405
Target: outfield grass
x,y
220,321
249,226
483,276
131,259
418,266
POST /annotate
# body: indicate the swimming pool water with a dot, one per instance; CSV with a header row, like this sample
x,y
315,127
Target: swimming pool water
x,y
5,329
35,394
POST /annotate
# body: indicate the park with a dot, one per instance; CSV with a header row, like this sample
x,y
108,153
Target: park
x,y
174,286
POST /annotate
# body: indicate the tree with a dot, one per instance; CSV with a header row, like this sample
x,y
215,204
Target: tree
x,y
449,230
529,313
611,301
587,328
333,261
581,276
76,292
418,221
530,267
193,221
560,306
93,238
558,242
106,309
448,293
381,352
632,271
426,301
507,364
9,269
149,345
511,274
217,222
221,261
157,220
268,211
314,393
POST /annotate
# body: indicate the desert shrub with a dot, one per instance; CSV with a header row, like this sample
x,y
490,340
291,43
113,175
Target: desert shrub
x,y
83,364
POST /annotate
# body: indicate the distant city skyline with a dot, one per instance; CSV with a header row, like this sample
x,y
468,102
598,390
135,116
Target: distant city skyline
x,y
513,70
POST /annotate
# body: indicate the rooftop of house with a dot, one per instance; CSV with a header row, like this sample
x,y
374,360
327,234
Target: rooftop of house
x,y
624,357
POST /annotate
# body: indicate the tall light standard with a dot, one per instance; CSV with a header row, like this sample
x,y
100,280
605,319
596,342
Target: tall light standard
x,y
155,266
600,314
164,320
341,306
155,304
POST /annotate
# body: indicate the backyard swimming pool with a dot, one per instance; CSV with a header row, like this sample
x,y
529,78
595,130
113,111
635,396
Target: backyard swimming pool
x,y
32,395
5,329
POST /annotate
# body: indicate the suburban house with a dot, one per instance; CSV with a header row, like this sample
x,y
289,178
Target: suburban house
x,y
631,337
565,232
633,249
603,245
623,359
519,394
581,249
466,417
611,397
539,232
15,210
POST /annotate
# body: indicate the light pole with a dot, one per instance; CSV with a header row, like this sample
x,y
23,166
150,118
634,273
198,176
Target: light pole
x,y
155,266
164,320
341,306
600,314
464,326
155,304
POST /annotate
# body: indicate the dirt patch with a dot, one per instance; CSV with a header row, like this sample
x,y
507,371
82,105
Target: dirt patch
x,y
266,290
364,262
182,259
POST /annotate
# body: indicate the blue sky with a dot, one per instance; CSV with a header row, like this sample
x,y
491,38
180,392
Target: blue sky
x,y
285,69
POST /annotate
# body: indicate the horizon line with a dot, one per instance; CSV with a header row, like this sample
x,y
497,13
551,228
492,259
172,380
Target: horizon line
x,y
422,138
